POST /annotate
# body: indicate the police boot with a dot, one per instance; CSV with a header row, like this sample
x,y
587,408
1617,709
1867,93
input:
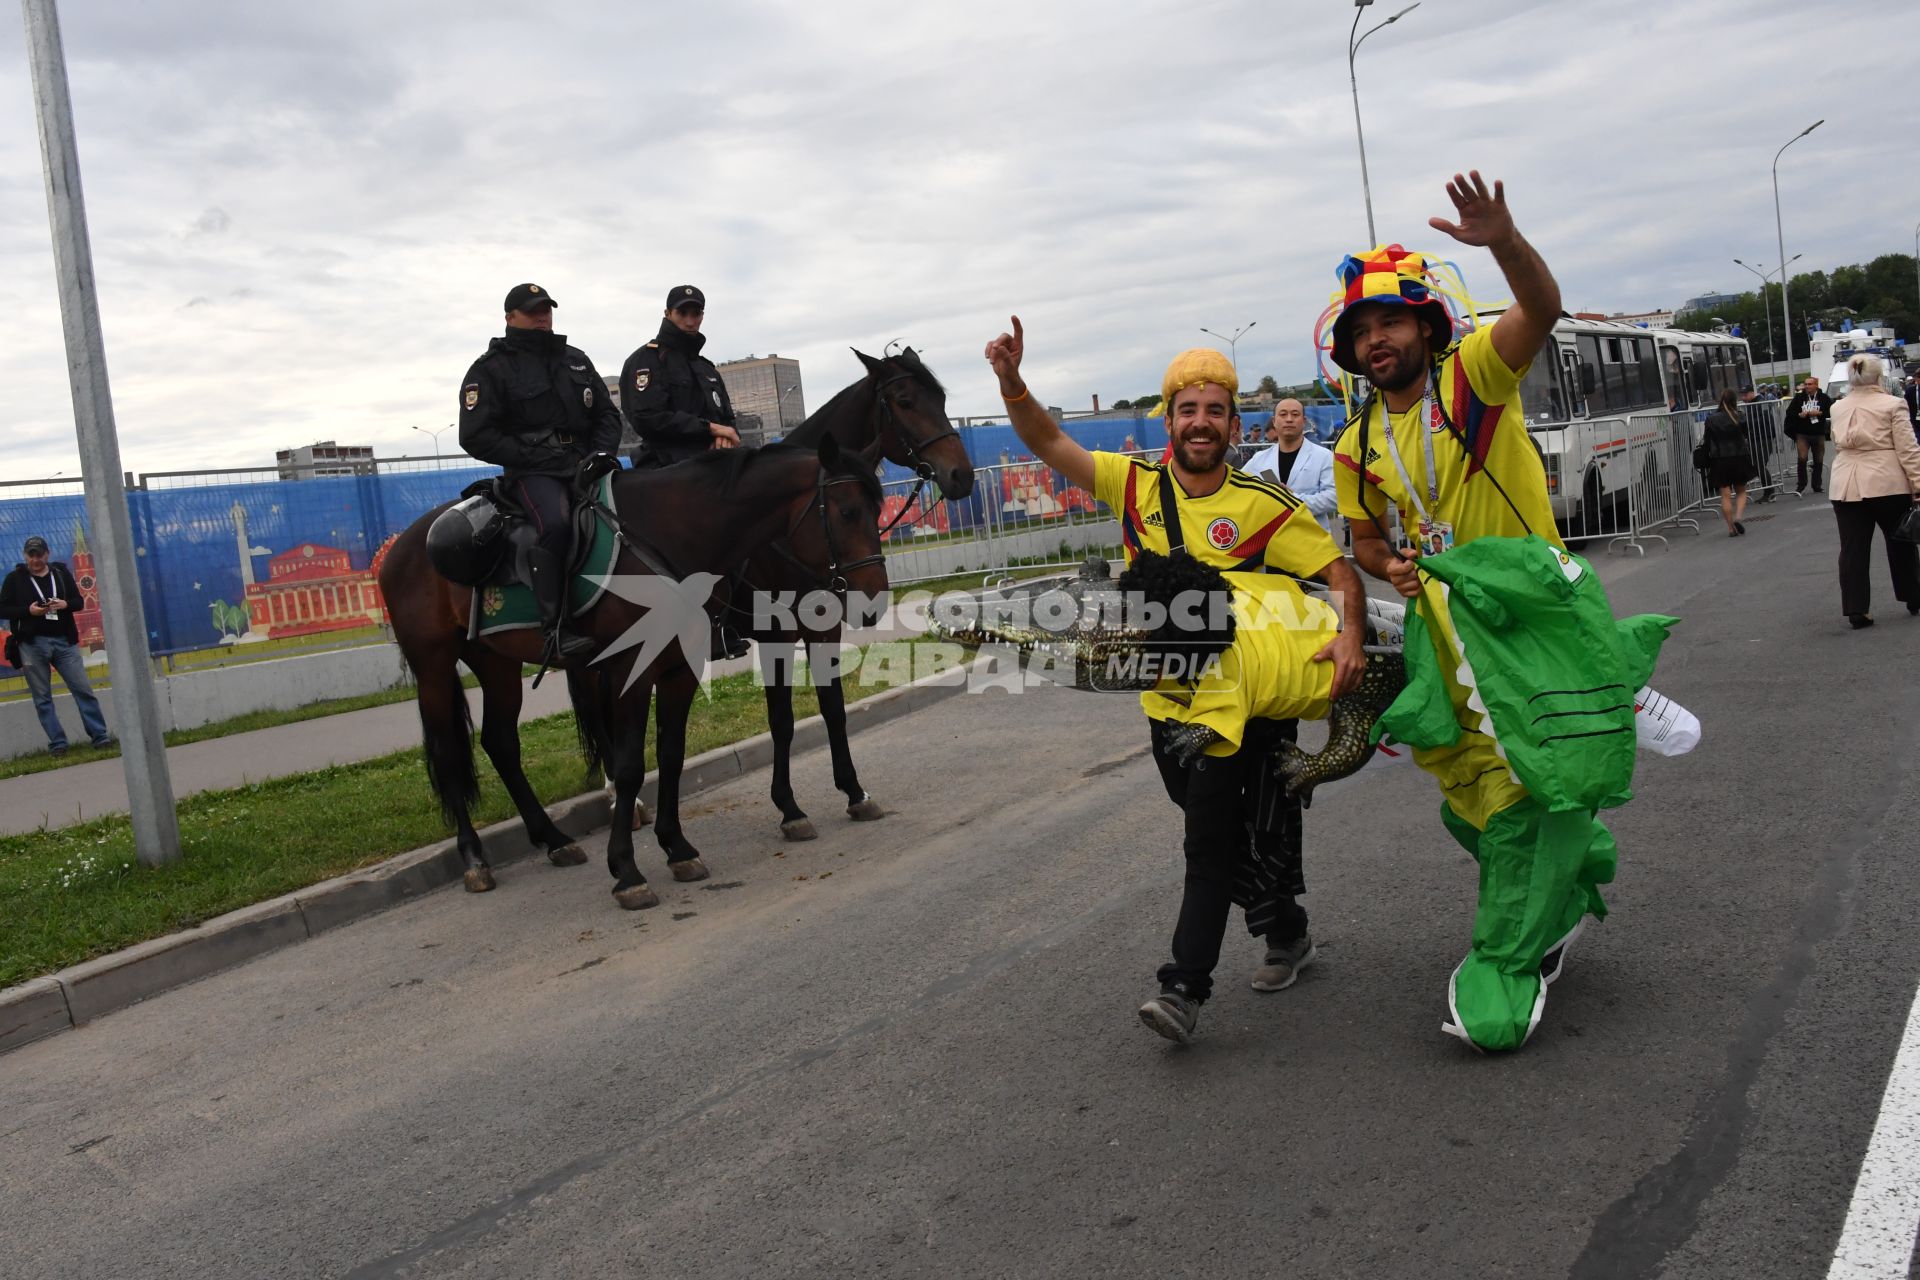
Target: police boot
x,y
549,581
727,643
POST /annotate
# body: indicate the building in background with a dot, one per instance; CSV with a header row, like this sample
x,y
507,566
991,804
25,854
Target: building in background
x,y
324,458
766,389
1645,319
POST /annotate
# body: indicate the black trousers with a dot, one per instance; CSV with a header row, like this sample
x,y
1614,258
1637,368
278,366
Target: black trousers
x,y
1857,521
1213,794
546,500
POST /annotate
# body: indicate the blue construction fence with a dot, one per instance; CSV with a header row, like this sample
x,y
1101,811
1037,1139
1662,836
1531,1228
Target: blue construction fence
x,y
225,561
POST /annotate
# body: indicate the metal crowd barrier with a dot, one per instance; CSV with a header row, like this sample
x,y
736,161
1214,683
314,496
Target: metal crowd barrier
x,y
1020,515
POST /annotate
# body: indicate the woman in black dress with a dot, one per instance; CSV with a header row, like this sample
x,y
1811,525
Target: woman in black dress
x,y
1729,460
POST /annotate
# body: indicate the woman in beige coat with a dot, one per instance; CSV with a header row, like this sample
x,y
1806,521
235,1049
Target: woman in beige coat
x,y
1875,481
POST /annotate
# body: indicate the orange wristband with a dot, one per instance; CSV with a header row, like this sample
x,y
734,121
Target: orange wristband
x,y
1015,399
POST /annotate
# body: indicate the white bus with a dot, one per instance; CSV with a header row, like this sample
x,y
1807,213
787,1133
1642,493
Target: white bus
x,y
1591,374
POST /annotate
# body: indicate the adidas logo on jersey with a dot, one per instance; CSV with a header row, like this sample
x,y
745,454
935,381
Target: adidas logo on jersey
x,y
1153,521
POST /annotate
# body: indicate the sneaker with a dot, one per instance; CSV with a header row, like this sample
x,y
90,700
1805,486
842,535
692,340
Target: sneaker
x,y
104,743
58,750
1171,1014
1283,964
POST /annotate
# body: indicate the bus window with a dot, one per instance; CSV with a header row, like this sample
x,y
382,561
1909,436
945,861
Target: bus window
x,y
1676,385
1650,393
1742,369
1590,371
1702,387
1620,375
1540,393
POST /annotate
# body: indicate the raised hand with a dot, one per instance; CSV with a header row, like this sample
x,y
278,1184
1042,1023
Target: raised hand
x,y
1484,218
1004,354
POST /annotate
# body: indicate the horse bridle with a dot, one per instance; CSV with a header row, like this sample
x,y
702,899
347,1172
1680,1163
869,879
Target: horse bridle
x,y
836,579
884,414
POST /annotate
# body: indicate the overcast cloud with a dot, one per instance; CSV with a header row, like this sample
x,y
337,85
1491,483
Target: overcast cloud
x,y
304,217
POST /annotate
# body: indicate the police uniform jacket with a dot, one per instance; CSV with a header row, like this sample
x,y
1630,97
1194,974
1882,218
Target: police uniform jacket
x,y
670,392
535,406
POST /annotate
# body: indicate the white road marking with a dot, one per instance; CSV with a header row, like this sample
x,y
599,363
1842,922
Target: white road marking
x,y
1884,1217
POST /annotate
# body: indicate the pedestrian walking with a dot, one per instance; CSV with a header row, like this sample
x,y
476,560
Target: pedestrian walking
x,y
1876,480
1195,502
1729,460
37,602
1808,425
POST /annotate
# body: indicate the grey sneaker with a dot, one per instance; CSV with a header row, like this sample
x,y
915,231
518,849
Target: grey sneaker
x,y
1283,964
1171,1014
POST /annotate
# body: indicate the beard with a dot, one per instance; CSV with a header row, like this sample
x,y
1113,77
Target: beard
x,y
1406,368
1197,457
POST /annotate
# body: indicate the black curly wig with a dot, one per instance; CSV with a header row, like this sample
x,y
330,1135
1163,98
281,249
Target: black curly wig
x,y
1160,580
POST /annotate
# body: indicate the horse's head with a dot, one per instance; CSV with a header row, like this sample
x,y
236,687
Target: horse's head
x,y
838,535
910,410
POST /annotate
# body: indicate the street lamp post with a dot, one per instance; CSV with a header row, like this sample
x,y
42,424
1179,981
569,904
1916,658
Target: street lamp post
x,y
1780,238
1233,343
1916,256
1766,299
436,438
1353,82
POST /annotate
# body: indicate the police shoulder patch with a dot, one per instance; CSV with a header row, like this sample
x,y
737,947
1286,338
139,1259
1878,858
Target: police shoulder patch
x,y
470,394
640,379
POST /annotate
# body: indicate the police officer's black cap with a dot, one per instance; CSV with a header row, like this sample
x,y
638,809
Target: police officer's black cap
x,y
525,297
35,543
686,295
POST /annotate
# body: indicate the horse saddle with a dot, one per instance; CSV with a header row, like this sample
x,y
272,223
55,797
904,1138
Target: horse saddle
x,y
482,542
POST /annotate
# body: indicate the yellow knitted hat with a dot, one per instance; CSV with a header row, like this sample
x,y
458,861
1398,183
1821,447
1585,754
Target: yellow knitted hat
x,y
1194,367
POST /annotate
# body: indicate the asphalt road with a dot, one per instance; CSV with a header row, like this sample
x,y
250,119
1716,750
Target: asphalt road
x,y
909,1049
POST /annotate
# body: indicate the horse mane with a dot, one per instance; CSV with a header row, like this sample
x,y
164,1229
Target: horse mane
x,y
809,432
731,466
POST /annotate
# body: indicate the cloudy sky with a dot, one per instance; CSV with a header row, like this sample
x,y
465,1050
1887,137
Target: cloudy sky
x,y
304,217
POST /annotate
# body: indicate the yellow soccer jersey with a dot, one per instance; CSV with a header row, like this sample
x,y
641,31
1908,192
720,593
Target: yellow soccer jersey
x,y
1245,524
1269,672
1481,397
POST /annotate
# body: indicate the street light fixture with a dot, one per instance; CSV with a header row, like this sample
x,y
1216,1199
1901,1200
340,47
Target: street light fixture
x,y
1780,238
1353,82
1766,299
1233,343
436,438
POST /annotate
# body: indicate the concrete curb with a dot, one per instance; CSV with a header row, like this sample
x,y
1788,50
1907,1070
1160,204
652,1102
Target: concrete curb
x,y
44,1006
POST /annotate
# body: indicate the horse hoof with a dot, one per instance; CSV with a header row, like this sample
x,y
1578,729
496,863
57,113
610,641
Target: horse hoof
x,y
637,898
642,816
688,869
567,855
866,809
478,879
799,829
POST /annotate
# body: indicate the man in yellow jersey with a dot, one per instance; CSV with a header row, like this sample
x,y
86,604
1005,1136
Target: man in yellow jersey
x,y
1443,438
1234,522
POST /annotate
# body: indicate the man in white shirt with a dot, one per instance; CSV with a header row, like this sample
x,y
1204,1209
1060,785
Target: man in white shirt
x,y
1297,462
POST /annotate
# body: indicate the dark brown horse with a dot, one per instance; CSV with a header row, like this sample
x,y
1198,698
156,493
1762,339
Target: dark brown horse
x,y
901,406
704,517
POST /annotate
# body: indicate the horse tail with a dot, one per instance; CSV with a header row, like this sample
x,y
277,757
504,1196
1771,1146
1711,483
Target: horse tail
x,y
446,727
588,723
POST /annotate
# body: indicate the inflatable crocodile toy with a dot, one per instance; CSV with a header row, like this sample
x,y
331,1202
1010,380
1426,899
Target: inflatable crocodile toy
x,y
1090,629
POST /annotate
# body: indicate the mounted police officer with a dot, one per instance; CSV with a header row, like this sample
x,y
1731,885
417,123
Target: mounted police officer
x,y
536,408
671,393
679,407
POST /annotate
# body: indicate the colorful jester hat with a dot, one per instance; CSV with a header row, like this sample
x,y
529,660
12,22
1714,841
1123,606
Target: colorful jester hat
x,y
1196,367
1398,277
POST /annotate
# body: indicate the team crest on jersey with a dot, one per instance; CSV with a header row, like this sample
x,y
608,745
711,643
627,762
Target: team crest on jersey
x,y
640,380
470,395
1223,533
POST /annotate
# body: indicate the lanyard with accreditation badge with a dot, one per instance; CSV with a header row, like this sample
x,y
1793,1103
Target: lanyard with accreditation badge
x,y
1436,536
